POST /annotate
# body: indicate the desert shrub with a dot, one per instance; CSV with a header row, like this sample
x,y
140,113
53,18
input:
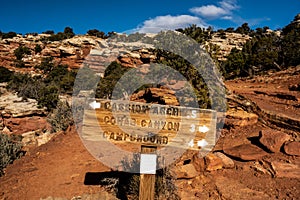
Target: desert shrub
x,y
47,65
9,35
50,32
48,97
97,33
20,64
37,48
5,74
164,185
61,117
111,76
10,150
110,184
25,85
21,51
68,33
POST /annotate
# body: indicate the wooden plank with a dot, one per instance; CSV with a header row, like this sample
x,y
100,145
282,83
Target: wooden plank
x,y
150,124
147,181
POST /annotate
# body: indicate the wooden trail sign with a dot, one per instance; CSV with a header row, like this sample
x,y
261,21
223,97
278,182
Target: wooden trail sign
x,y
150,124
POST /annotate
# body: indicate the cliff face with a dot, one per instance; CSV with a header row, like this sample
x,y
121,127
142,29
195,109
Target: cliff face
x,y
70,51
74,51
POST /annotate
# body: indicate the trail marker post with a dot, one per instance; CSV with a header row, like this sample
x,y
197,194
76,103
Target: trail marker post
x,y
147,172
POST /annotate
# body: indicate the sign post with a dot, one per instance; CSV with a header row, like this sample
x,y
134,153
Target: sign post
x,y
147,176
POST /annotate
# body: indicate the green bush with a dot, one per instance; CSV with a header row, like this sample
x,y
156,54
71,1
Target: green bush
x,y
10,150
56,79
68,33
47,65
21,51
5,74
9,35
48,97
61,117
50,32
37,48
97,33
25,85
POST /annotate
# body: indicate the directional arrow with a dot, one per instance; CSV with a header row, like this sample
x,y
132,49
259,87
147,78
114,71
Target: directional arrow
x,y
203,129
191,143
95,105
202,143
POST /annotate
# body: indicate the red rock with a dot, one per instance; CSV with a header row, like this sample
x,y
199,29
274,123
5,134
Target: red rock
x,y
185,171
27,124
213,162
292,148
239,117
227,162
245,152
273,140
286,170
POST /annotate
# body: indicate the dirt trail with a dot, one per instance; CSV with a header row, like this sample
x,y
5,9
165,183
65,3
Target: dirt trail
x,y
57,169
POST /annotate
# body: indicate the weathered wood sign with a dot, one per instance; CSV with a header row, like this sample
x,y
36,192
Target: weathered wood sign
x,y
150,124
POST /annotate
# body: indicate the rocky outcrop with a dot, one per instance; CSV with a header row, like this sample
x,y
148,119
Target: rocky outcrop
x,y
227,42
239,117
156,95
13,106
19,116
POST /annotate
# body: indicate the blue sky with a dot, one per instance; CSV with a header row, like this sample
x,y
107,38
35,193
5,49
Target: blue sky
x,y
144,16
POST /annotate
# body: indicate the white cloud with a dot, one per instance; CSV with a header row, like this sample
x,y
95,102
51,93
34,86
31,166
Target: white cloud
x,y
208,11
229,5
168,22
227,17
211,11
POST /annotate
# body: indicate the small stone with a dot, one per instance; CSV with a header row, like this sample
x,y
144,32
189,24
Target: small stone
x,y
213,162
292,148
246,152
273,140
227,162
185,172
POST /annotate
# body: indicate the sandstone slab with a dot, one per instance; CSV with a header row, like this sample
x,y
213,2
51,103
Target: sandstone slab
x,y
245,152
286,170
239,117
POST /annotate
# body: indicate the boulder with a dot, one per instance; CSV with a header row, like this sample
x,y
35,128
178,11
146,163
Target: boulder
x,y
245,152
292,148
273,140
